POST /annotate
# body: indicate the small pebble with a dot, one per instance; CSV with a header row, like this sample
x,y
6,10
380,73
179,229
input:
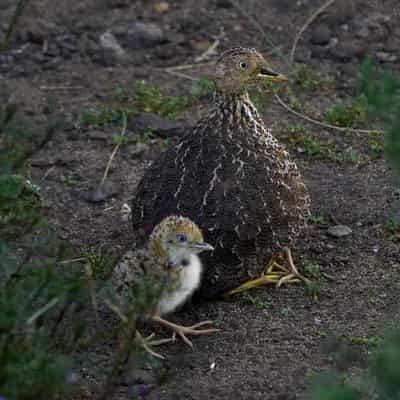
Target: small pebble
x,y
339,231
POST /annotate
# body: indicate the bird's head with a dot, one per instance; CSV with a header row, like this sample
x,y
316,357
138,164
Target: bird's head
x,y
240,67
176,238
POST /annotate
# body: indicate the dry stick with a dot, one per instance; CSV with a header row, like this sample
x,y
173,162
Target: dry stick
x,y
114,152
309,21
61,87
323,124
122,357
19,9
186,66
92,290
209,52
256,25
180,74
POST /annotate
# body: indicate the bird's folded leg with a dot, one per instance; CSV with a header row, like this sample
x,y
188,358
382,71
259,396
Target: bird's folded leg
x,y
182,331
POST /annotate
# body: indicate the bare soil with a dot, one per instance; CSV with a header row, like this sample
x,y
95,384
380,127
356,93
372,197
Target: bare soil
x,y
259,353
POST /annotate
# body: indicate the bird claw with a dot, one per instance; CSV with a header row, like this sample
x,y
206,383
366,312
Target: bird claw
x,y
182,331
147,344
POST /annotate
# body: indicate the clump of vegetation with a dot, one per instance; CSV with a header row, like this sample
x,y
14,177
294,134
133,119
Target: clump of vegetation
x,y
98,117
142,98
311,147
381,90
348,116
317,219
392,227
376,145
316,280
257,302
309,79
18,136
348,156
381,382
41,301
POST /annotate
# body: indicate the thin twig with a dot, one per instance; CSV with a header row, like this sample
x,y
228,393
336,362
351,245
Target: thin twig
x,y
116,310
209,52
308,22
122,356
19,9
73,260
114,152
186,66
48,172
180,74
256,25
92,290
323,124
61,87
42,310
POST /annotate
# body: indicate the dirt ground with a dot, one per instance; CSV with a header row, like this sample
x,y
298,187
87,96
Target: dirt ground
x,y
268,347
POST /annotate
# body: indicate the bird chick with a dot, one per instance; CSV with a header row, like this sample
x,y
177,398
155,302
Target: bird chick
x,y
172,263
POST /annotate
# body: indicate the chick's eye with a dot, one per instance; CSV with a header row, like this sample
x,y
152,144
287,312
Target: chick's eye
x,y
243,65
181,238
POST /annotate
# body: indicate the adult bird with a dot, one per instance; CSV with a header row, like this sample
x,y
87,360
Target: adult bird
x,y
232,175
168,270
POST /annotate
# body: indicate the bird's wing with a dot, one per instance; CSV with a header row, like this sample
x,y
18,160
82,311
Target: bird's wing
x,y
140,280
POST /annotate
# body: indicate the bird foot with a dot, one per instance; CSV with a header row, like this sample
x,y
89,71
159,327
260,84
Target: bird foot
x,y
274,273
147,343
289,273
184,331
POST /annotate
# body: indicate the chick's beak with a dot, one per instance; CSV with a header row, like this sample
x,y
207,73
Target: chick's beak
x,y
267,73
202,246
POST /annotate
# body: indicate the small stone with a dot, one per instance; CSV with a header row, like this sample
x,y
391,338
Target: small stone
x,y
224,4
98,135
161,7
109,42
321,34
363,32
339,231
347,50
163,128
138,149
118,3
144,35
101,193
385,57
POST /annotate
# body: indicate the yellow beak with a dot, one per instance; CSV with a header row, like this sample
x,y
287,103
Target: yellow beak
x,y
271,75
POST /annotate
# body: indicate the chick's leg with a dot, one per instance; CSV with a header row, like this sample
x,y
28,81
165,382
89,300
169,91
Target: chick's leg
x,y
147,343
274,273
183,331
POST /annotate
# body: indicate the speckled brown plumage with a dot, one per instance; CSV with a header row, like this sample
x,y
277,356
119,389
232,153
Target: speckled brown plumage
x,y
231,176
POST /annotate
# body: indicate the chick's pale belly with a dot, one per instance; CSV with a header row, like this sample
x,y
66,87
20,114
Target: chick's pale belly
x,y
188,280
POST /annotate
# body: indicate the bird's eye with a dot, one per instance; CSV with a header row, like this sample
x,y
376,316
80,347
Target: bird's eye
x,y
181,238
243,65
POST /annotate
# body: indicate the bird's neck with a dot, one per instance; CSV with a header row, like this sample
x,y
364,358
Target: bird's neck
x,y
178,256
237,105
171,256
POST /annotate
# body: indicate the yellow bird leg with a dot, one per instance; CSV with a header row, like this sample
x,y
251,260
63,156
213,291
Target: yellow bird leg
x,y
273,273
